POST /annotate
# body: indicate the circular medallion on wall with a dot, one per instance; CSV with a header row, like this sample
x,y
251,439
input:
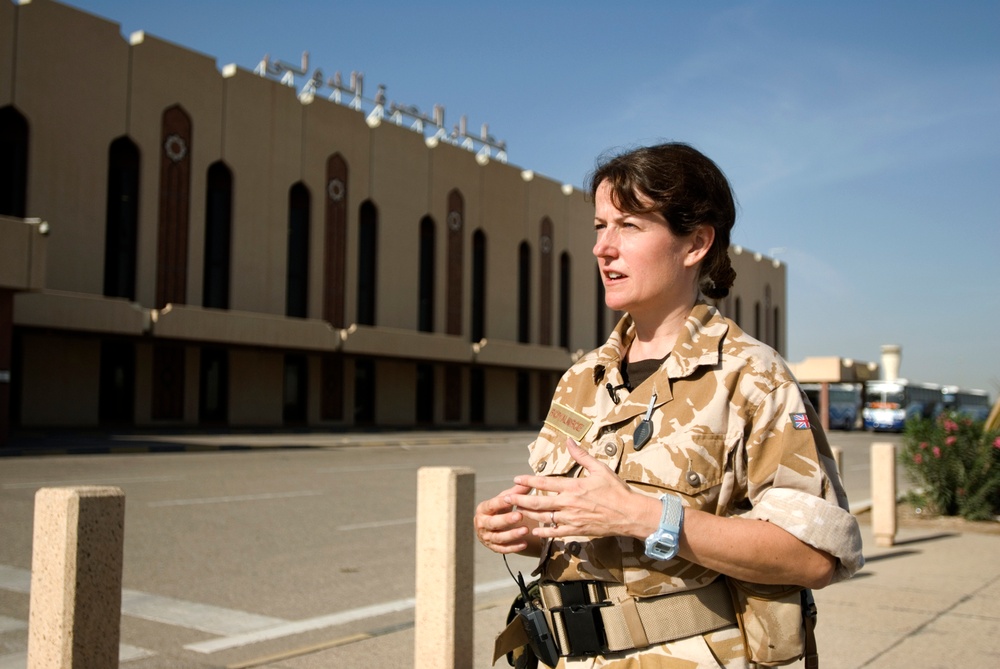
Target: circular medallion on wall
x,y
175,147
335,189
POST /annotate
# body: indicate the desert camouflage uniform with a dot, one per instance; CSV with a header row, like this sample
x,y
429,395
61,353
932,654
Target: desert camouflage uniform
x,y
724,440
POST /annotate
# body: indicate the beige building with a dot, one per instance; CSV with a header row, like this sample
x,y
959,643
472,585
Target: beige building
x,y
188,247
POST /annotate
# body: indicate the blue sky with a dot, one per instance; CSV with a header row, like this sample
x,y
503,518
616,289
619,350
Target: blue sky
x,y
862,138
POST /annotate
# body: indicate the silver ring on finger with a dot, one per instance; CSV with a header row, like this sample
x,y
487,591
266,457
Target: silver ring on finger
x,y
552,518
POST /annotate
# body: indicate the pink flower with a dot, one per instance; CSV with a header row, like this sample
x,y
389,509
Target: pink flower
x,y
996,443
937,452
951,440
918,458
923,445
950,426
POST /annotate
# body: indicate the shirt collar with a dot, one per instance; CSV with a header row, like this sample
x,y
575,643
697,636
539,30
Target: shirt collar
x,y
699,342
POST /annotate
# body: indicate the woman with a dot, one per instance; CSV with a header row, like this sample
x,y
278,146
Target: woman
x,y
679,462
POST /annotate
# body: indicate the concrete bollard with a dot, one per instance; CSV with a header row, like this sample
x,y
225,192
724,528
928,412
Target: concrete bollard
x,y
445,572
838,457
74,619
883,488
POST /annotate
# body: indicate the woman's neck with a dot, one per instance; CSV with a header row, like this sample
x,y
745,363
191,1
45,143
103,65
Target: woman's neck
x,y
655,338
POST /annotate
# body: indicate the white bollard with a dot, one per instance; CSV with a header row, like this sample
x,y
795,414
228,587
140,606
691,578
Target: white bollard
x,y
445,571
74,618
838,457
883,489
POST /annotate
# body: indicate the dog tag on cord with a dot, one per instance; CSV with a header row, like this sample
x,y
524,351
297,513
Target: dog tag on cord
x,y
645,429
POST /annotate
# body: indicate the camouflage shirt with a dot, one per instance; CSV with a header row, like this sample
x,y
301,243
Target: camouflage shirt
x,y
732,435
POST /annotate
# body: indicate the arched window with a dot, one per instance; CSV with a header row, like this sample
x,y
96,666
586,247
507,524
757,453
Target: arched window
x,y
565,278
121,223
756,320
478,329
600,325
524,293
545,283
777,330
738,312
768,335
367,257
425,288
297,269
13,163
218,233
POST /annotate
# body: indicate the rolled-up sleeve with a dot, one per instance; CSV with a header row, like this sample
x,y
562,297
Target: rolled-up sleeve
x,y
789,486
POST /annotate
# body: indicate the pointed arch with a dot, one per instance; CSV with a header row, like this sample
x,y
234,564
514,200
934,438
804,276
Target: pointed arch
x,y
524,293
478,329
297,266
121,221
565,298
218,236
426,273
367,263
14,136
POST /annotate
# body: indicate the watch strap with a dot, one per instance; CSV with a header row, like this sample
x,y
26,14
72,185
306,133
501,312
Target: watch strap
x,y
672,514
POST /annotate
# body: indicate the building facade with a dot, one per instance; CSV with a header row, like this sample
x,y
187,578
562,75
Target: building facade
x,y
222,250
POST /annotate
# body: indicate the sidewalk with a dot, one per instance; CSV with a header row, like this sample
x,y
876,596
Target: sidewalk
x,y
928,602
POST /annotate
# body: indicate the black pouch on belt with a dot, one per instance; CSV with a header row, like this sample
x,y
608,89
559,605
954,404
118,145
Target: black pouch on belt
x,y
528,632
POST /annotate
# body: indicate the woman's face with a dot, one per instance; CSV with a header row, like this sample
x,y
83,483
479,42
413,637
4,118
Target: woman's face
x,y
647,270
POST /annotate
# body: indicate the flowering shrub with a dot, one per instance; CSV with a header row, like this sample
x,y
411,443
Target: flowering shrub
x,y
956,462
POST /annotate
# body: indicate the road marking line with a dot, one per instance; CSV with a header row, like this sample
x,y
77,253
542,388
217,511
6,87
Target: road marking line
x,y
192,615
321,622
11,624
235,628
160,609
235,498
125,654
14,579
358,469
300,626
376,523
98,480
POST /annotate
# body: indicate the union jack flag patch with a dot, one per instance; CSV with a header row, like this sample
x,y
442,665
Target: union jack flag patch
x,y
800,421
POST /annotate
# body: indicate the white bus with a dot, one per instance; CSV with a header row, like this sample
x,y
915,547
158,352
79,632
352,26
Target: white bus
x,y
889,404
972,403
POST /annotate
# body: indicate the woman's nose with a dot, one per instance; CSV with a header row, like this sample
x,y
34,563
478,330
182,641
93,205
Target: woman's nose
x,y
605,244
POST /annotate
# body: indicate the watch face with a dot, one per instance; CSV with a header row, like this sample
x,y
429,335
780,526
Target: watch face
x,y
663,546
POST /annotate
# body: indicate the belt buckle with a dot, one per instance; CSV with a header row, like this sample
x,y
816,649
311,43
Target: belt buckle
x,y
582,620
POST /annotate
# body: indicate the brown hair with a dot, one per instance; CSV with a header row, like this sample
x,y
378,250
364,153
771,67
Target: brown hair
x,y
687,189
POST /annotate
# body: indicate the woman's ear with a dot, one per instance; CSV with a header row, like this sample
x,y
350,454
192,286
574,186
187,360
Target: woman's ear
x,y
700,242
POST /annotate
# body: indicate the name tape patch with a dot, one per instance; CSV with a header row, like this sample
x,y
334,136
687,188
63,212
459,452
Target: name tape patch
x,y
567,421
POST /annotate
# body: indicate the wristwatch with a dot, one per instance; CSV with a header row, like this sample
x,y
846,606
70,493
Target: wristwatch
x,y
663,543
